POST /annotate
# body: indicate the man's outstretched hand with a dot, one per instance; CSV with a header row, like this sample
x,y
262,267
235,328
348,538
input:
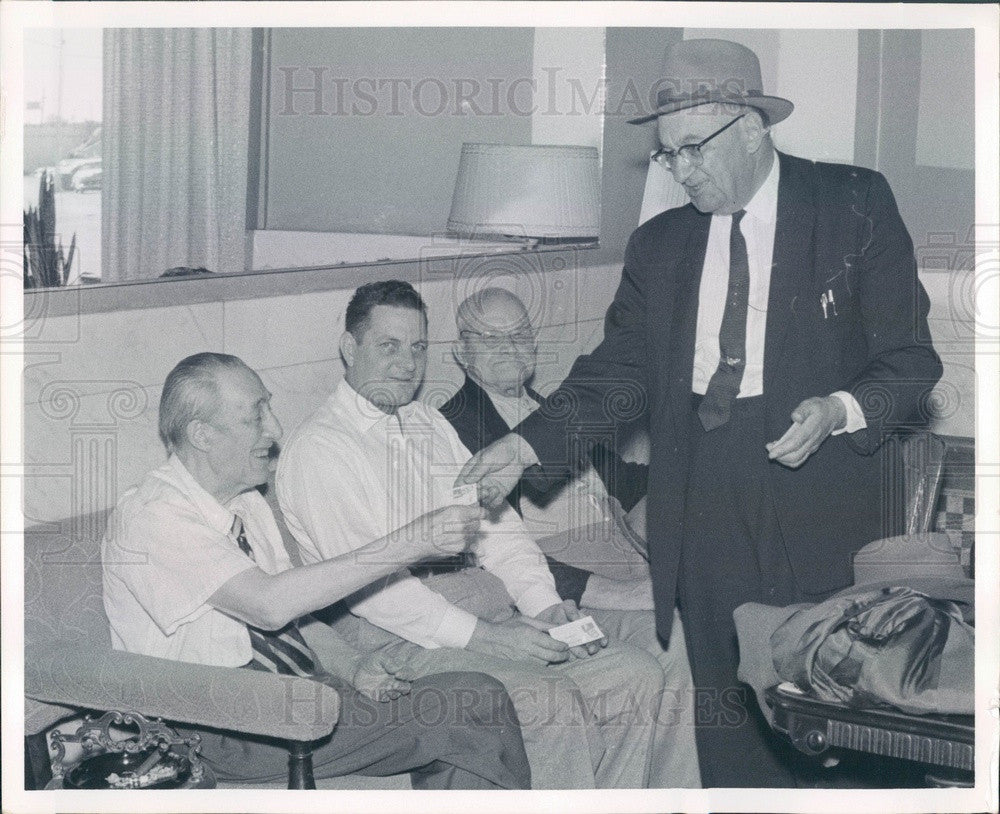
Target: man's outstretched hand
x,y
497,469
812,422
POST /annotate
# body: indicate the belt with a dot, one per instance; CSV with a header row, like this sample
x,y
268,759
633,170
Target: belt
x,y
446,565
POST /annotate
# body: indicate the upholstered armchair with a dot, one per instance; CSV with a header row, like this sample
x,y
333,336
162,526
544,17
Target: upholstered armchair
x,y
70,665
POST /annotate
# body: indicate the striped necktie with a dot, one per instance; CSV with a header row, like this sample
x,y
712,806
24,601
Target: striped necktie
x,y
276,651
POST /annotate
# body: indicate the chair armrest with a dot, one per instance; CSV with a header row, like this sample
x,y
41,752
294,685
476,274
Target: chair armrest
x,y
227,698
908,556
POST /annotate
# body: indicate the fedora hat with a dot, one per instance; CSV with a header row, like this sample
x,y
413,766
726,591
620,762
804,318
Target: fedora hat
x,y
699,72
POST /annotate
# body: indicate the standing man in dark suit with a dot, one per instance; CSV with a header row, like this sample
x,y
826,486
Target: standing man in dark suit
x,y
773,326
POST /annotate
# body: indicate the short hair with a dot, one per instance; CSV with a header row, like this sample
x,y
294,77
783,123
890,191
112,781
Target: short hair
x,y
192,391
386,292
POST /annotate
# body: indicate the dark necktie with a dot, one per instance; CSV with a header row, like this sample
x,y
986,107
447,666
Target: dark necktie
x,y
725,383
276,651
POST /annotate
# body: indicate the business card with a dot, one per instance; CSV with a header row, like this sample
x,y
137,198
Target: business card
x,y
577,632
467,495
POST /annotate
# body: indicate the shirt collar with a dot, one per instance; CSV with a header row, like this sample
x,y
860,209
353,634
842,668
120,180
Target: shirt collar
x,y
217,516
523,398
763,206
362,413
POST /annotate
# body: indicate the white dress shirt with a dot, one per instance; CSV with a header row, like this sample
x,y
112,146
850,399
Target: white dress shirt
x,y
168,547
757,227
352,474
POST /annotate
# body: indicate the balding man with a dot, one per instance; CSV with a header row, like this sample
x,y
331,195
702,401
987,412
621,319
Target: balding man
x,y
195,570
597,557
776,329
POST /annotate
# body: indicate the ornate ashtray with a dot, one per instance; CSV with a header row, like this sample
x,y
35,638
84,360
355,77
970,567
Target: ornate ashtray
x,y
124,750
150,769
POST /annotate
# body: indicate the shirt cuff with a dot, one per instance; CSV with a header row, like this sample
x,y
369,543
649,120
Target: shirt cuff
x,y
536,599
855,418
528,455
456,628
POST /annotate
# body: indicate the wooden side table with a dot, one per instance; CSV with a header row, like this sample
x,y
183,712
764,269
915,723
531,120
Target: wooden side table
x,y
945,744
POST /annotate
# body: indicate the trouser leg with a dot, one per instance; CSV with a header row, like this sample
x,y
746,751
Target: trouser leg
x,y
732,553
584,722
457,730
623,687
478,735
562,741
674,762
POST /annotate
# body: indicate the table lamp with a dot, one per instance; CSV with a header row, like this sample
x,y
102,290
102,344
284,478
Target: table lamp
x,y
537,193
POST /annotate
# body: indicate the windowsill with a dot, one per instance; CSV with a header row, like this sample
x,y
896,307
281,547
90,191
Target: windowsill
x,y
158,293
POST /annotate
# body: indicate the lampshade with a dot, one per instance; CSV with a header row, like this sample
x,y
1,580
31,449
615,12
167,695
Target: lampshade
x,y
527,191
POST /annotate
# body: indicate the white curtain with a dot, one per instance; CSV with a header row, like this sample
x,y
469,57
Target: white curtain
x,y
176,129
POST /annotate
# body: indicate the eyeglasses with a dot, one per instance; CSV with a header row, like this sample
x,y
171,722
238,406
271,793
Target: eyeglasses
x,y
690,153
493,341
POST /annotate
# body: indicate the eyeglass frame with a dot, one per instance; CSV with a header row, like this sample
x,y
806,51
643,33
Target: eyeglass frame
x,y
495,340
668,158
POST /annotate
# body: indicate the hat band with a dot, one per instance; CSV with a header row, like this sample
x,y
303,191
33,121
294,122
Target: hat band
x,y
666,97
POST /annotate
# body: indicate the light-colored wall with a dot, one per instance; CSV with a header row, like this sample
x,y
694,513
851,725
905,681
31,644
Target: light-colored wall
x,y
568,73
92,382
817,70
379,156
943,101
953,322
566,108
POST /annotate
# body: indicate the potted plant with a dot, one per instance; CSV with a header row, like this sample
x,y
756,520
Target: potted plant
x,y
45,263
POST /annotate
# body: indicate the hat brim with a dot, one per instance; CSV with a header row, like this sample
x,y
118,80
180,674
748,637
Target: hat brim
x,y
776,108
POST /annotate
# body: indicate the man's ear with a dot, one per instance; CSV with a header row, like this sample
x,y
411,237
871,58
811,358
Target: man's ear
x,y
753,131
199,434
458,351
348,347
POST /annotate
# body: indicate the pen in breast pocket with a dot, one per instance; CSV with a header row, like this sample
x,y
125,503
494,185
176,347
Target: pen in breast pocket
x,y
829,299
823,301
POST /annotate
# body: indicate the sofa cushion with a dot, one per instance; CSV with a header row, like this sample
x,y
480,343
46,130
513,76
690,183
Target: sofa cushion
x,y
62,583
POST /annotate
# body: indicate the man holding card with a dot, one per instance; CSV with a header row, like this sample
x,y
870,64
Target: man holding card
x,y
370,459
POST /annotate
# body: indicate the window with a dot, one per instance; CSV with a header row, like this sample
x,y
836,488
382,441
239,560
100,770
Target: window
x,y
62,136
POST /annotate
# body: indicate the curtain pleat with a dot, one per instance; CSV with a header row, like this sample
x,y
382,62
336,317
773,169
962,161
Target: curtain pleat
x,y
176,127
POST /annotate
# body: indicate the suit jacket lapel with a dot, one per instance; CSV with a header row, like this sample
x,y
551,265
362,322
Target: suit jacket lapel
x,y
492,425
792,261
685,321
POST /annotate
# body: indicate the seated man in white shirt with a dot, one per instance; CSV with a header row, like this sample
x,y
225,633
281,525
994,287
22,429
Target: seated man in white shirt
x,y
195,570
599,560
369,461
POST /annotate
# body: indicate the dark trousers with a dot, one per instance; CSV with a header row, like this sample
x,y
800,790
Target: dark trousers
x,y
732,553
453,731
